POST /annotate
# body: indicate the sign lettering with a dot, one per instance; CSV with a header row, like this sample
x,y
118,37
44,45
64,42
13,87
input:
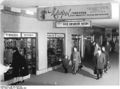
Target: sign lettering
x,y
73,24
91,11
11,35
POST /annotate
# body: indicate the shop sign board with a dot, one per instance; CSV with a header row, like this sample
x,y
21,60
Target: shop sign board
x,y
28,34
72,12
55,35
73,24
59,35
12,35
50,35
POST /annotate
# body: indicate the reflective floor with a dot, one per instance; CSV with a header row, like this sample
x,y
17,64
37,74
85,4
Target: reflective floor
x,y
84,77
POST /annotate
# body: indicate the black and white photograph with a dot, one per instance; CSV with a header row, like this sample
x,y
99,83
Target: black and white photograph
x,y
59,43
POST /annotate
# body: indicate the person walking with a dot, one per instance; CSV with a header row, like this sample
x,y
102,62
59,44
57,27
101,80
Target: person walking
x,y
100,62
107,62
108,48
76,60
65,63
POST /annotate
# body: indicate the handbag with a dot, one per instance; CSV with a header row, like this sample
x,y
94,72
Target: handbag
x,y
80,65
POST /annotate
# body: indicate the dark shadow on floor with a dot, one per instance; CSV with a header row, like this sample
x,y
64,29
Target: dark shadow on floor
x,y
86,73
81,71
61,69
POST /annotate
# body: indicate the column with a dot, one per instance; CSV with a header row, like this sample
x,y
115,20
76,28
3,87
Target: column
x,y
1,45
82,49
66,42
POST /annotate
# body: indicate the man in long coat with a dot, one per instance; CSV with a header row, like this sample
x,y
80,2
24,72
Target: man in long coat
x,y
100,63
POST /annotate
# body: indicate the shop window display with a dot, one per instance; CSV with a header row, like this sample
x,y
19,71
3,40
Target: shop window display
x,y
26,47
55,48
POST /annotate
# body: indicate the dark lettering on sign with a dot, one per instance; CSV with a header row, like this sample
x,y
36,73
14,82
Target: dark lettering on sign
x,y
84,23
65,23
58,14
74,23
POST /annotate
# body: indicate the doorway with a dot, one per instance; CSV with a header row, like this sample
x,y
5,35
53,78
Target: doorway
x,y
77,42
88,52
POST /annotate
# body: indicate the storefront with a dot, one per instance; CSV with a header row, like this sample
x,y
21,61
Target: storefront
x,y
46,35
55,48
27,46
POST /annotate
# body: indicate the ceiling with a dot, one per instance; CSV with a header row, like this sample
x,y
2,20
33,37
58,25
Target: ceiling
x,y
113,22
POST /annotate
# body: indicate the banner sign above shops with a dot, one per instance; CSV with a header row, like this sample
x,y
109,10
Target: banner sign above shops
x,y
12,35
73,24
90,11
28,34
50,35
55,35
60,35
18,35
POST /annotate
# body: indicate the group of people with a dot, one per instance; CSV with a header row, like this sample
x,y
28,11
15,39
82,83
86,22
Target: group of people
x,y
75,61
100,59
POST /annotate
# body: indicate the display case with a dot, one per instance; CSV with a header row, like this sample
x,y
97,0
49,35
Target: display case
x,y
55,48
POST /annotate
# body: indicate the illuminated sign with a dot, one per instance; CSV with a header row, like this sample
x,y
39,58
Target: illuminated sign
x,y
28,34
90,11
11,35
59,35
73,24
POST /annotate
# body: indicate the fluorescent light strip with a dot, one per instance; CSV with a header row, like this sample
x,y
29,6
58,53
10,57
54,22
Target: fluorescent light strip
x,y
16,10
29,12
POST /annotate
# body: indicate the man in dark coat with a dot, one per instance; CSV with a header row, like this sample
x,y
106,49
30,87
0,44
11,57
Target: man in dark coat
x,y
100,62
65,63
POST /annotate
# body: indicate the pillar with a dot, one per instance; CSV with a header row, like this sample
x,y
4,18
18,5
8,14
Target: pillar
x,y
82,48
1,44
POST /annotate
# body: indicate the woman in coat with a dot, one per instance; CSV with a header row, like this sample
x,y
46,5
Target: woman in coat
x,y
76,60
18,65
